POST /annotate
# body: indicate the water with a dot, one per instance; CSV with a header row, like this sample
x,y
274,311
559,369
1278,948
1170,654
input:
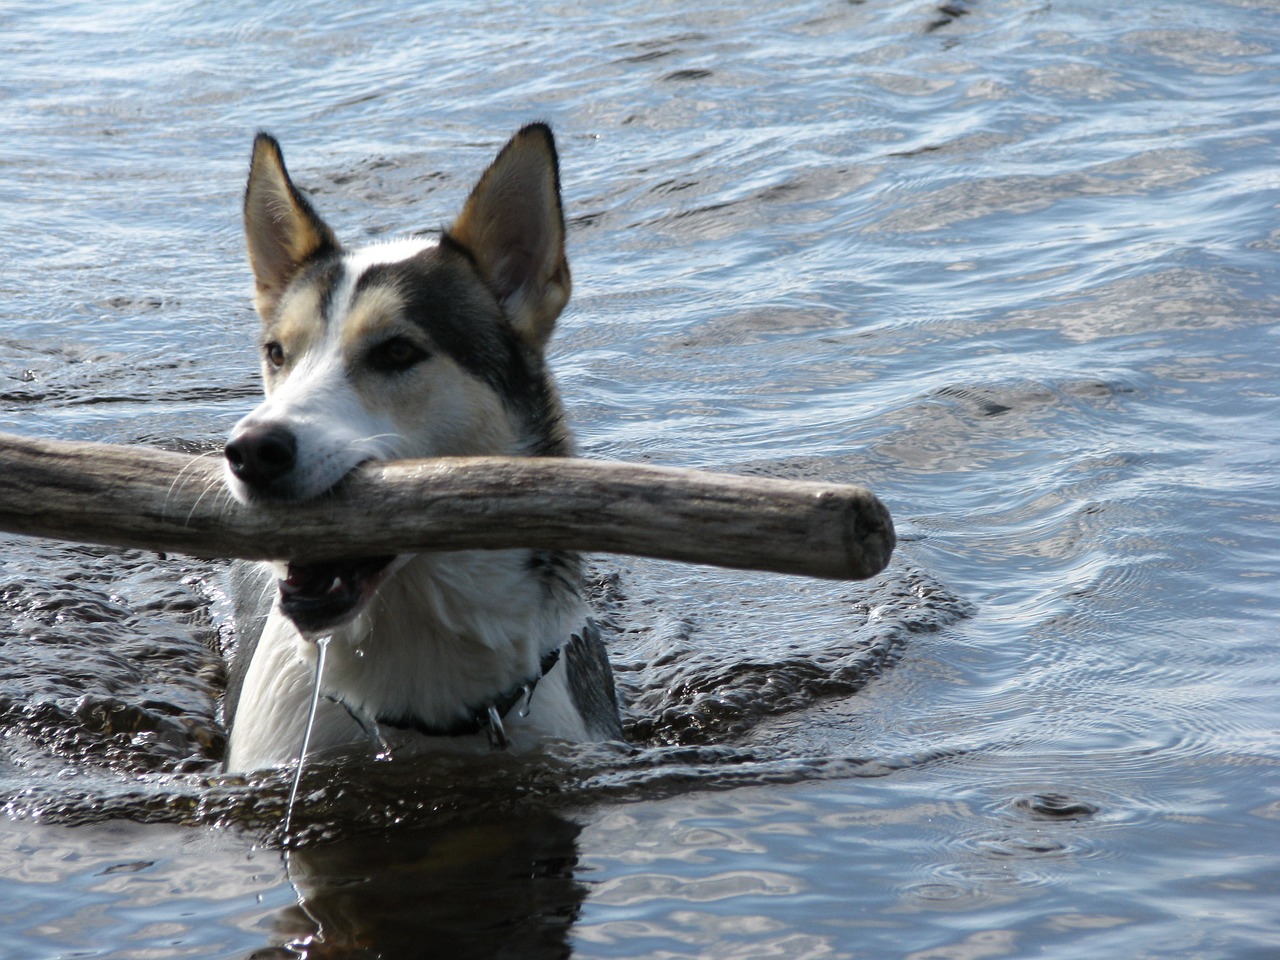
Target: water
x,y
1011,264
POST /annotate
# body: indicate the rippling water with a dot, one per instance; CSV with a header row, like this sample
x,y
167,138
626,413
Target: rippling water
x,y
1011,264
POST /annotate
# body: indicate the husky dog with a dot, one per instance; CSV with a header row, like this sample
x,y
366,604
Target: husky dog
x,y
406,349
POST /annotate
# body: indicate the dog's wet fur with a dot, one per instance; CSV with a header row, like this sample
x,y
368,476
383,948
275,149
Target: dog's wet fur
x,y
402,350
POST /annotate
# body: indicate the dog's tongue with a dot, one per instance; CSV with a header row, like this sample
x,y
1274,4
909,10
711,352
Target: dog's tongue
x,y
321,595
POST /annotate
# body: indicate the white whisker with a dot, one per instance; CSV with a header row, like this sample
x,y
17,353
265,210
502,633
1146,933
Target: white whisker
x,y
214,484
184,475
385,442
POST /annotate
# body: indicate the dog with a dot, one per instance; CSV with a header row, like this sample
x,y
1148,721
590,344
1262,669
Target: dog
x,y
407,349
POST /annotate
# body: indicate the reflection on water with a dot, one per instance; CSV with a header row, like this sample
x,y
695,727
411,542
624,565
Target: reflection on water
x,y
1010,264
499,888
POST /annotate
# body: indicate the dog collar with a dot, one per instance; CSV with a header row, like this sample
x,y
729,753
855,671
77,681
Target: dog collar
x,y
487,716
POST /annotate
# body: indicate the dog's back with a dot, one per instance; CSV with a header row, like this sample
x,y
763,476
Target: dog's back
x,y
404,350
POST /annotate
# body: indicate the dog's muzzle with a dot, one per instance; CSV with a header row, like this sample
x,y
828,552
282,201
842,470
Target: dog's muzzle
x,y
262,457
323,595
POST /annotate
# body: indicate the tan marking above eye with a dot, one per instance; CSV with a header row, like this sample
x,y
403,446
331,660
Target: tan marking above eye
x,y
374,333
376,309
297,326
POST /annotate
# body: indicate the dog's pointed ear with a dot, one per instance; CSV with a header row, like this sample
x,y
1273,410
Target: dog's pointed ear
x,y
282,228
513,226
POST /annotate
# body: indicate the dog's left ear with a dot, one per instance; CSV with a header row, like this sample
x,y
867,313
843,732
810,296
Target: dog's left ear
x,y
513,226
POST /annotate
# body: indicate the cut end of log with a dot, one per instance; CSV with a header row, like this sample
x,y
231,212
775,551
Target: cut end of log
x,y
869,537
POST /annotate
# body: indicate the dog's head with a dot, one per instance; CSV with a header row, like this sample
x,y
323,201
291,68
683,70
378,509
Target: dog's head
x,y
413,348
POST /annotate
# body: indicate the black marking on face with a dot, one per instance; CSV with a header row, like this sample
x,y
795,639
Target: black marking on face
x,y
442,295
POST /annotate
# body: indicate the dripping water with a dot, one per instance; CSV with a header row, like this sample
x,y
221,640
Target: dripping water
x,y
322,648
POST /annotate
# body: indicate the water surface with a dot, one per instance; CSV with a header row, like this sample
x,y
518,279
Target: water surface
x,y
1011,264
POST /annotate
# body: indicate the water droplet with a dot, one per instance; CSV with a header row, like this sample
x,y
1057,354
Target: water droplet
x,y
497,735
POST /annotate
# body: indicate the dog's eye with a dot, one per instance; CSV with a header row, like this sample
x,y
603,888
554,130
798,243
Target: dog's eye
x,y
274,354
396,354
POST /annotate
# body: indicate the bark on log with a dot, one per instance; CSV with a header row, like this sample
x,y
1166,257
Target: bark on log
x,y
155,500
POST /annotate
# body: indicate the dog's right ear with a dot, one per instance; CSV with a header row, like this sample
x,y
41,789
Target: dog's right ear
x,y
282,228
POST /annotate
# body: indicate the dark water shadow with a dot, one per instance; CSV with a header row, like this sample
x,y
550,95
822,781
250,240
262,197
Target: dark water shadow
x,y
490,888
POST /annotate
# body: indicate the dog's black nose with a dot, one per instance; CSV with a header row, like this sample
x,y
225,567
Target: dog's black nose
x,y
261,454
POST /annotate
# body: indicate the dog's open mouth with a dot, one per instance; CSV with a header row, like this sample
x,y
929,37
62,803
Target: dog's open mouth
x,y
323,595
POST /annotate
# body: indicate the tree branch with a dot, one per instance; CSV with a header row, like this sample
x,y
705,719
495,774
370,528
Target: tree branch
x,y
154,500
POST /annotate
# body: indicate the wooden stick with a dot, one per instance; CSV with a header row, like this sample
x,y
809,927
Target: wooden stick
x,y
169,502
